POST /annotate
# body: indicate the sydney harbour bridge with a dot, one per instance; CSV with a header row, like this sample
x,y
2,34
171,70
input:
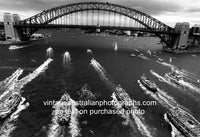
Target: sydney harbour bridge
x,y
91,15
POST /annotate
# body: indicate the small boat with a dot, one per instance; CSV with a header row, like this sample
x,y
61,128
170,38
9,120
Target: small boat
x,y
89,51
133,55
170,59
9,104
63,109
160,60
115,46
149,52
184,122
151,85
14,47
137,50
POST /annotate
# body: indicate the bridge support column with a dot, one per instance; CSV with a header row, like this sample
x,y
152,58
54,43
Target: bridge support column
x,y
181,41
11,32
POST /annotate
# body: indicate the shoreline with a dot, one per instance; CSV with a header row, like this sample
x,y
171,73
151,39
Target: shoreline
x,y
18,43
189,51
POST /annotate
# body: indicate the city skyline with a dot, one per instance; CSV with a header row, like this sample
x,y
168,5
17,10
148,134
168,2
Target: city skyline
x,y
167,11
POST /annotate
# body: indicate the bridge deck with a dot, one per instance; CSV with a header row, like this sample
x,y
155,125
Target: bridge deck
x,y
40,26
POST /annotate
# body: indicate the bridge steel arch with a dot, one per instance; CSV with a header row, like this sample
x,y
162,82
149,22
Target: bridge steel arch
x,y
52,14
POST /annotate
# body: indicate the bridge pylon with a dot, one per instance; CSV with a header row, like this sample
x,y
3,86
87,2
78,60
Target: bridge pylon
x,y
180,41
11,32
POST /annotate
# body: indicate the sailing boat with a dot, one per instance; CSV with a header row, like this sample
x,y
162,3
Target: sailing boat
x,y
115,48
170,60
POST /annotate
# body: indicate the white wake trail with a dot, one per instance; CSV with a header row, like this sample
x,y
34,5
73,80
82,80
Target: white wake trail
x,y
74,124
138,119
143,57
182,84
175,132
162,79
20,84
178,70
164,99
9,125
56,130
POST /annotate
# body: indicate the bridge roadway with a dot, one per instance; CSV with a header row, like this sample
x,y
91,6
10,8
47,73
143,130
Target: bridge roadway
x,y
44,26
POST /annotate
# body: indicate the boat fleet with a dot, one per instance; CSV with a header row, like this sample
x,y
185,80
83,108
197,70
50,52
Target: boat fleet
x,y
10,89
186,124
180,118
10,98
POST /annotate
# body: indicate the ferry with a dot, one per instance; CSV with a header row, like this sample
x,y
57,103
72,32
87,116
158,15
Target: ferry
x,y
184,122
9,81
151,85
122,96
9,104
63,109
173,77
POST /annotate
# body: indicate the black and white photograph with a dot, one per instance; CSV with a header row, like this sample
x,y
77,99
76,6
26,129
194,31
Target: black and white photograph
x,y
99,68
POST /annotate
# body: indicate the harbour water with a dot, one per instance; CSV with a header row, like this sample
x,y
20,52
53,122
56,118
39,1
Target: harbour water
x,y
71,69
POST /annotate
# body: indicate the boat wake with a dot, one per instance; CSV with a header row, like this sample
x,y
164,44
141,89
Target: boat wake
x,y
9,125
143,57
23,81
162,79
174,132
13,84
165,63
119,107
14,47
102,73
74,124
57,130
178,70
188,75
189,86
162,97
168,102
181,84
9,79
137,50
139,120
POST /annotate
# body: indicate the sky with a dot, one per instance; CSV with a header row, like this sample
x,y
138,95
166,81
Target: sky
x,y
167,11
